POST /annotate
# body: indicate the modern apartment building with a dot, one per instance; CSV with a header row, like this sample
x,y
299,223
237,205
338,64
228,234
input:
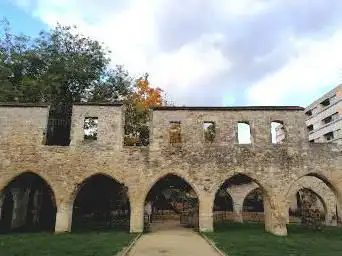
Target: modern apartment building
x,y
324,117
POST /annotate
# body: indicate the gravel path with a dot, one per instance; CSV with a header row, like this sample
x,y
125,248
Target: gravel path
x,y
172,242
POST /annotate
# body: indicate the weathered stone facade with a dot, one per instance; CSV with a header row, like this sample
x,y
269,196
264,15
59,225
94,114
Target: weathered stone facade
x,y
276,168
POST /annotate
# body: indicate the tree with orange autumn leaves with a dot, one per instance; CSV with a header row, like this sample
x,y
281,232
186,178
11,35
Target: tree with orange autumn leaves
x,y
137,111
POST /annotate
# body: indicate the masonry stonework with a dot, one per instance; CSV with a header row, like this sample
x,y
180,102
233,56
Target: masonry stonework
x,y
276,168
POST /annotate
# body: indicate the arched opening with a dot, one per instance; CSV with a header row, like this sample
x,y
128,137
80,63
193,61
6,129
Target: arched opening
x,y
323,194
101,203
253,206
28,205
171,203
307,206
245,204
223,206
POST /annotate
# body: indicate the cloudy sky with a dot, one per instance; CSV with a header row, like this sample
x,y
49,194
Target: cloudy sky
x,y
209,52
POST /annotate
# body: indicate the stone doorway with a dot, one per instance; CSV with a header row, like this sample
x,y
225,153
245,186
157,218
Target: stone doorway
x,y
28,205
174,205
101,203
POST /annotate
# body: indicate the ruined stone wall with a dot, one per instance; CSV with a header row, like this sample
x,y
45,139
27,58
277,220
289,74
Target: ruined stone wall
x,y
23,124
205,166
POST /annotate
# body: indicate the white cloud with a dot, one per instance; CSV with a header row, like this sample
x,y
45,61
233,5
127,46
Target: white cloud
x,y
182,70
318,65
205,51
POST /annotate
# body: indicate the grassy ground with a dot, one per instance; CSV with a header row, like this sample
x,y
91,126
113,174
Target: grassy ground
x,y
105,243
252,240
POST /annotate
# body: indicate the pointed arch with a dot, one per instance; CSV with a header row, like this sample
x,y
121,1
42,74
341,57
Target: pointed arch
x,y
174,194
33,202
99,202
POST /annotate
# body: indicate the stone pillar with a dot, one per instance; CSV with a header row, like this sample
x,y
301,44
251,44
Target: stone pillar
x,y
137,216
275,218
238,194
20,200
238,209
63,217
206,222
330,218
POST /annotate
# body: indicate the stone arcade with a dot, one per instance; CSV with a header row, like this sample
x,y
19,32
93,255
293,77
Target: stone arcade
x,y
278,169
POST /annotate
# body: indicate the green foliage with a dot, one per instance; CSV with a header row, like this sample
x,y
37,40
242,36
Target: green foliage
x,y
251,239
310,214
80,243
62,67
59,67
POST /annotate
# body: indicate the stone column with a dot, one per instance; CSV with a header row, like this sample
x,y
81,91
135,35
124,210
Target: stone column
x,y
206,222
275,218
63,217
137,216
238,208
20,200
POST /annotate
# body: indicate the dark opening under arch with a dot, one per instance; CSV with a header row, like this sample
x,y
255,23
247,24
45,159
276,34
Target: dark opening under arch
x,y
101,203
173,203
35,204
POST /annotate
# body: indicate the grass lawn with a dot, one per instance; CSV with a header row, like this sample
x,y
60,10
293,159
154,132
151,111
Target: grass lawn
x,y
106,243
251,239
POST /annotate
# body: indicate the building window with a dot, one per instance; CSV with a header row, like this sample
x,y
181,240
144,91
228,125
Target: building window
x,y
312,141
209,130
308,113
310,128
175,132
90,128
278,132
329,136
244,133
325,102
327,120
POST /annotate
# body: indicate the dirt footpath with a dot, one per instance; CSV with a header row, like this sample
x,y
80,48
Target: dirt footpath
x,y
180,242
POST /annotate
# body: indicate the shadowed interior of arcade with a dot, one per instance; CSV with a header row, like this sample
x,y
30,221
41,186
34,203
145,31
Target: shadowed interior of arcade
x,y
101,203
27,204
239,199
173,204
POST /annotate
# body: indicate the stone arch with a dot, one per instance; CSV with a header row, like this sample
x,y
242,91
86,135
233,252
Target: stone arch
x,y
252,214
275,220
47,180
159,177
82,197
34,201
176,177
321,189
239,193
72,196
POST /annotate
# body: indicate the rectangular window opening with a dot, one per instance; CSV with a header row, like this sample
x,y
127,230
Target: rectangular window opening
x,y
327,120
90,128
244,133
278,132
329,136
310,128
175,132
209,130
308,113
325,102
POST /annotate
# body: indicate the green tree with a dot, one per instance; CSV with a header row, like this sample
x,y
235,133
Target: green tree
x,y
59,67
